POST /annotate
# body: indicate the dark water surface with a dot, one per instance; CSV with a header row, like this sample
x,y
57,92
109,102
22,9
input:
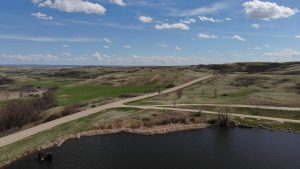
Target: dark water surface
x,y
212,148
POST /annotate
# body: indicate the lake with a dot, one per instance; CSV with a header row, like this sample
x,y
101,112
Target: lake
x,y
212,148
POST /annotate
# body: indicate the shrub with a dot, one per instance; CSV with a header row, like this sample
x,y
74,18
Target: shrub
x,y
70,109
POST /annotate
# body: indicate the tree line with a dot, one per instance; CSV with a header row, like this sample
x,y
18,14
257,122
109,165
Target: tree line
x,y
17,113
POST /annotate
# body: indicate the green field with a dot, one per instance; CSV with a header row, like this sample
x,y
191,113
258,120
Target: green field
x,y
80,93
274,90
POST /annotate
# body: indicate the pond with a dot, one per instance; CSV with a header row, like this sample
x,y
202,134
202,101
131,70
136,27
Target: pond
x,y
212,148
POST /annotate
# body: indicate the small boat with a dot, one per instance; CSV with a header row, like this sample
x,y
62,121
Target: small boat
x,y
45,157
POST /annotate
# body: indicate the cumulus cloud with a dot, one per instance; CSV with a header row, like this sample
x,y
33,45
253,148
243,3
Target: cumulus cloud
x,y
179,26
209,19
297,36
178,48
107,40
188,21
207,36
267,10
145,19
118,2
99,56
163,45
228,19
42,16
256,26
72,6
285,53
237,37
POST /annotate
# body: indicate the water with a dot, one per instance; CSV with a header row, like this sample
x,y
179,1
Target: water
x,y
212,148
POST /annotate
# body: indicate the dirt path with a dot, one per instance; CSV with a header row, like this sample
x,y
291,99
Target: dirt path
x,y
37,129
215,113
238,106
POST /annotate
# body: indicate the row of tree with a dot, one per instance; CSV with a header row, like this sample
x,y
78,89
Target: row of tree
x,y
17,113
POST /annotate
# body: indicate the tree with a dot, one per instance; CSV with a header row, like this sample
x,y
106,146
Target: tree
x,y
179,94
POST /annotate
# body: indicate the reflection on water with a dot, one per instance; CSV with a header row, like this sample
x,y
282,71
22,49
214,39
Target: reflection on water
x,y
206,149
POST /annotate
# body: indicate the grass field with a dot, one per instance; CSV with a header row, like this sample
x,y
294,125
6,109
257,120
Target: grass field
x,y
83,84
251,111
80,93
275,90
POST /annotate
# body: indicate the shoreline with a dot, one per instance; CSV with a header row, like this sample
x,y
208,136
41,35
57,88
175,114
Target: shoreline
x,y
155,130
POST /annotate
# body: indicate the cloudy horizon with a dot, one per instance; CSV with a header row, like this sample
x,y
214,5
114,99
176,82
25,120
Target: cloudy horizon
x,y
152,32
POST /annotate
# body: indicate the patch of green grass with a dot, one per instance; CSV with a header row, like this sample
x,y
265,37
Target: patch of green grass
x,y
80,93
48,83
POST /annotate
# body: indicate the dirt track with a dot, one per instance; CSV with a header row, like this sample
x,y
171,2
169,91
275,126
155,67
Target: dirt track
x,y
37,129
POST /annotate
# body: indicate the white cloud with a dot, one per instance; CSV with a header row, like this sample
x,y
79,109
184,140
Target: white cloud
x,y
297,36
49,39
105,46
100,56
188,21
177,48
42,16
72,6
267,10
118,2
163,45
164,60
33,57
228,19
201,10
145,19
267,46
237,37
284,53
257,48
65,46
127,46
180,26
207,36
256,26
107,40
206,19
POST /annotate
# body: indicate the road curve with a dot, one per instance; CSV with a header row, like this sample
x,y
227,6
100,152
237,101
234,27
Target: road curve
x,y
215,113
4,141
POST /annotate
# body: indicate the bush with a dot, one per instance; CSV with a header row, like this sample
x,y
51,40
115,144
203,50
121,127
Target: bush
x,y
197,114
70,109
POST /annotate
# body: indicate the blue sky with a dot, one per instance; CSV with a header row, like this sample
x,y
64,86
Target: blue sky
x,y
148,32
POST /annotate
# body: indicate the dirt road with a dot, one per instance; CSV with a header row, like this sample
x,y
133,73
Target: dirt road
x,y
37,129
237,105
215,113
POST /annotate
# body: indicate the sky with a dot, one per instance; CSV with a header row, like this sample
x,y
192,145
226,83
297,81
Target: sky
x,y
148,32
